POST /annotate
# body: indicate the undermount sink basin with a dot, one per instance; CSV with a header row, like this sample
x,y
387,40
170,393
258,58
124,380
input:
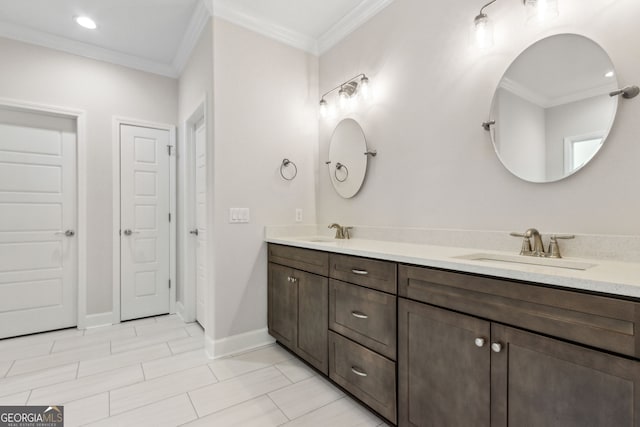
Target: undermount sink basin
x,y
522,259
317,239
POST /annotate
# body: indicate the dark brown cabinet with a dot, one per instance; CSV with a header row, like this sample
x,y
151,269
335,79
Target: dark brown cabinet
x,y
298,305
456,369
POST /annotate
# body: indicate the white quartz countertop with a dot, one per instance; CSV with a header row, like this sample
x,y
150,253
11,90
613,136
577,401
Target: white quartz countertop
x,y
611,277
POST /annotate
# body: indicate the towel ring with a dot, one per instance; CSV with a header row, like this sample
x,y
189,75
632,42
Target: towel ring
x,y
285,164
340,166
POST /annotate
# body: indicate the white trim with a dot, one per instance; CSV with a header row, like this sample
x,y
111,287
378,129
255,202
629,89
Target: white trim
x,y
81,187
569,142
544,102
186,213
197,24
237,343
115,161
52,41
98,320
180,311
350,22
226,10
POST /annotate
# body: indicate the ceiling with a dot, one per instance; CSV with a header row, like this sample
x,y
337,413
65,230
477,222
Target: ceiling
x,y
158,35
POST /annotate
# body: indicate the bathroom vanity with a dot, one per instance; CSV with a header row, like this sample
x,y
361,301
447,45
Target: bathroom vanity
x,y
428,336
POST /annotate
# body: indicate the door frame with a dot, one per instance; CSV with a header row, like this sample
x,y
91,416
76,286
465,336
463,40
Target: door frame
x,y
81,190
117,122
187,214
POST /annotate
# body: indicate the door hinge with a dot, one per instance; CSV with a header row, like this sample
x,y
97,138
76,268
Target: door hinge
x,y
169,283
169,216
169,148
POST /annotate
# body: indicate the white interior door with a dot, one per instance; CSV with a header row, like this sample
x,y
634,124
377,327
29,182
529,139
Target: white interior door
x,y
38,248
200,231
144,222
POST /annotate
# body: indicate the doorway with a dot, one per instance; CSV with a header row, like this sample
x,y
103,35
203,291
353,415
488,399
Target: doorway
x,y
39,265
146,224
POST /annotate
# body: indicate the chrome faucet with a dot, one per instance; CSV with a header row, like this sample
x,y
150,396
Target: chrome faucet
x,y
341,232
538,246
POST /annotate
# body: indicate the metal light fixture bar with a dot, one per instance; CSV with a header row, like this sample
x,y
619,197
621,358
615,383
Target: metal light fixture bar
x,y
349,86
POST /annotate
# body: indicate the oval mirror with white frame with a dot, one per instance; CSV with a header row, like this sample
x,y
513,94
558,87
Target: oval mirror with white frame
x,y
552,108
347,158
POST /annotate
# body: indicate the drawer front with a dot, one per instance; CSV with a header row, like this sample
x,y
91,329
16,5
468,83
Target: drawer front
x,y
303,259
602,322
364,315
365,374
374,274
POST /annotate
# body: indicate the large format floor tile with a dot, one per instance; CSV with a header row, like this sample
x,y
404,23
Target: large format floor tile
x,y
155,372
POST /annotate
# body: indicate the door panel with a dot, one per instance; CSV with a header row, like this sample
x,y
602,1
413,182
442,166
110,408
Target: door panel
x,y
145,226
313,319
201,219
283,305
38,263
539,381
443,376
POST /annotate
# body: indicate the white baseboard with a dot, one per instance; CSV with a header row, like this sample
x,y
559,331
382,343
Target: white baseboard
x,y
97,320
237,343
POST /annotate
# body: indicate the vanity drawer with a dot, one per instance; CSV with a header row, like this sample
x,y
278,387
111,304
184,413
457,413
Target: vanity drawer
x,y
364,315
365,374
302,259
374,274
594,320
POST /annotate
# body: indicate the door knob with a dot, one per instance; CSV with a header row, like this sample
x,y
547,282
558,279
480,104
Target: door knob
x,y
128,232
68,233
496,347
480,342
194,232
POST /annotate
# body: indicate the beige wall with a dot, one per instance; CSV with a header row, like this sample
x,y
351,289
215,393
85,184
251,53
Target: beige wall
x,y
265,110
39,75
436,166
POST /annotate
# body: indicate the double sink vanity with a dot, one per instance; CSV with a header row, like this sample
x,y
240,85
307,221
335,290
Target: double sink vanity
x,y
443,336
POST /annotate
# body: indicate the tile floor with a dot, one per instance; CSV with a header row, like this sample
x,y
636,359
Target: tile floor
x,y
154,372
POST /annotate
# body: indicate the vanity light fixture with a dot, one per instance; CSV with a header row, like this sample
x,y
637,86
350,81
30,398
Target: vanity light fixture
x,y
347,92
483,28
541,10
86,22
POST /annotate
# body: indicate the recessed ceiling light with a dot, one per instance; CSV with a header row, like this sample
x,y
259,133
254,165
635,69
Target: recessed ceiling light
x,y
86,22
609,74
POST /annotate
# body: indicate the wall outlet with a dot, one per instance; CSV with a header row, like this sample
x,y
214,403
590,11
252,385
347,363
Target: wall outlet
x,y
298,215
239,215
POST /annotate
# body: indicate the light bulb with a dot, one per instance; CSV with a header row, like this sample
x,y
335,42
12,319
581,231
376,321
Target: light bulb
x,y
324,108
483,31
610,74
365,88
86,22
541,10
344,98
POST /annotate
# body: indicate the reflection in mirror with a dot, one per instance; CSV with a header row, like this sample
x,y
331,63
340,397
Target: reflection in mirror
x,y
552,108
347,158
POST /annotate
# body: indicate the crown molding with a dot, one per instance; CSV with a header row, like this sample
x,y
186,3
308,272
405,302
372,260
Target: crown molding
x,y
524,92
225,10
197,23
51,41
544,102
350,22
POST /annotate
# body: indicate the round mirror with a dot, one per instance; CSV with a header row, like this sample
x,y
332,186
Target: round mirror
x,y
347,158
552,108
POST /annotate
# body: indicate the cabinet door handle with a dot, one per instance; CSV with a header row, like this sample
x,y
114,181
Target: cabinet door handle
x,y
360,272
359,315
358,372
496,347
480,342
292,279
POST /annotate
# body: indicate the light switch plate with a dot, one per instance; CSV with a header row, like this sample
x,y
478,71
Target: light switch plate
x,y
239,215
298,215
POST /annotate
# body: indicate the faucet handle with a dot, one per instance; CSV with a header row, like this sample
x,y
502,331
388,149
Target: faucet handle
x,y
554,249
346,232
526,243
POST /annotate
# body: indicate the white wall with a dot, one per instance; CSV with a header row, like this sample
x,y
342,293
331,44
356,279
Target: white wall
x,y
575,119
265,109
521,136
44,76
436,167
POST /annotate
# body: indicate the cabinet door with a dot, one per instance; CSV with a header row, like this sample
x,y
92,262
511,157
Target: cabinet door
x,y
539,381
283,305
313,319
443,376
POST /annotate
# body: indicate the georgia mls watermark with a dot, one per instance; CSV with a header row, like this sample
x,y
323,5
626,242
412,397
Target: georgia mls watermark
x,y
31,416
